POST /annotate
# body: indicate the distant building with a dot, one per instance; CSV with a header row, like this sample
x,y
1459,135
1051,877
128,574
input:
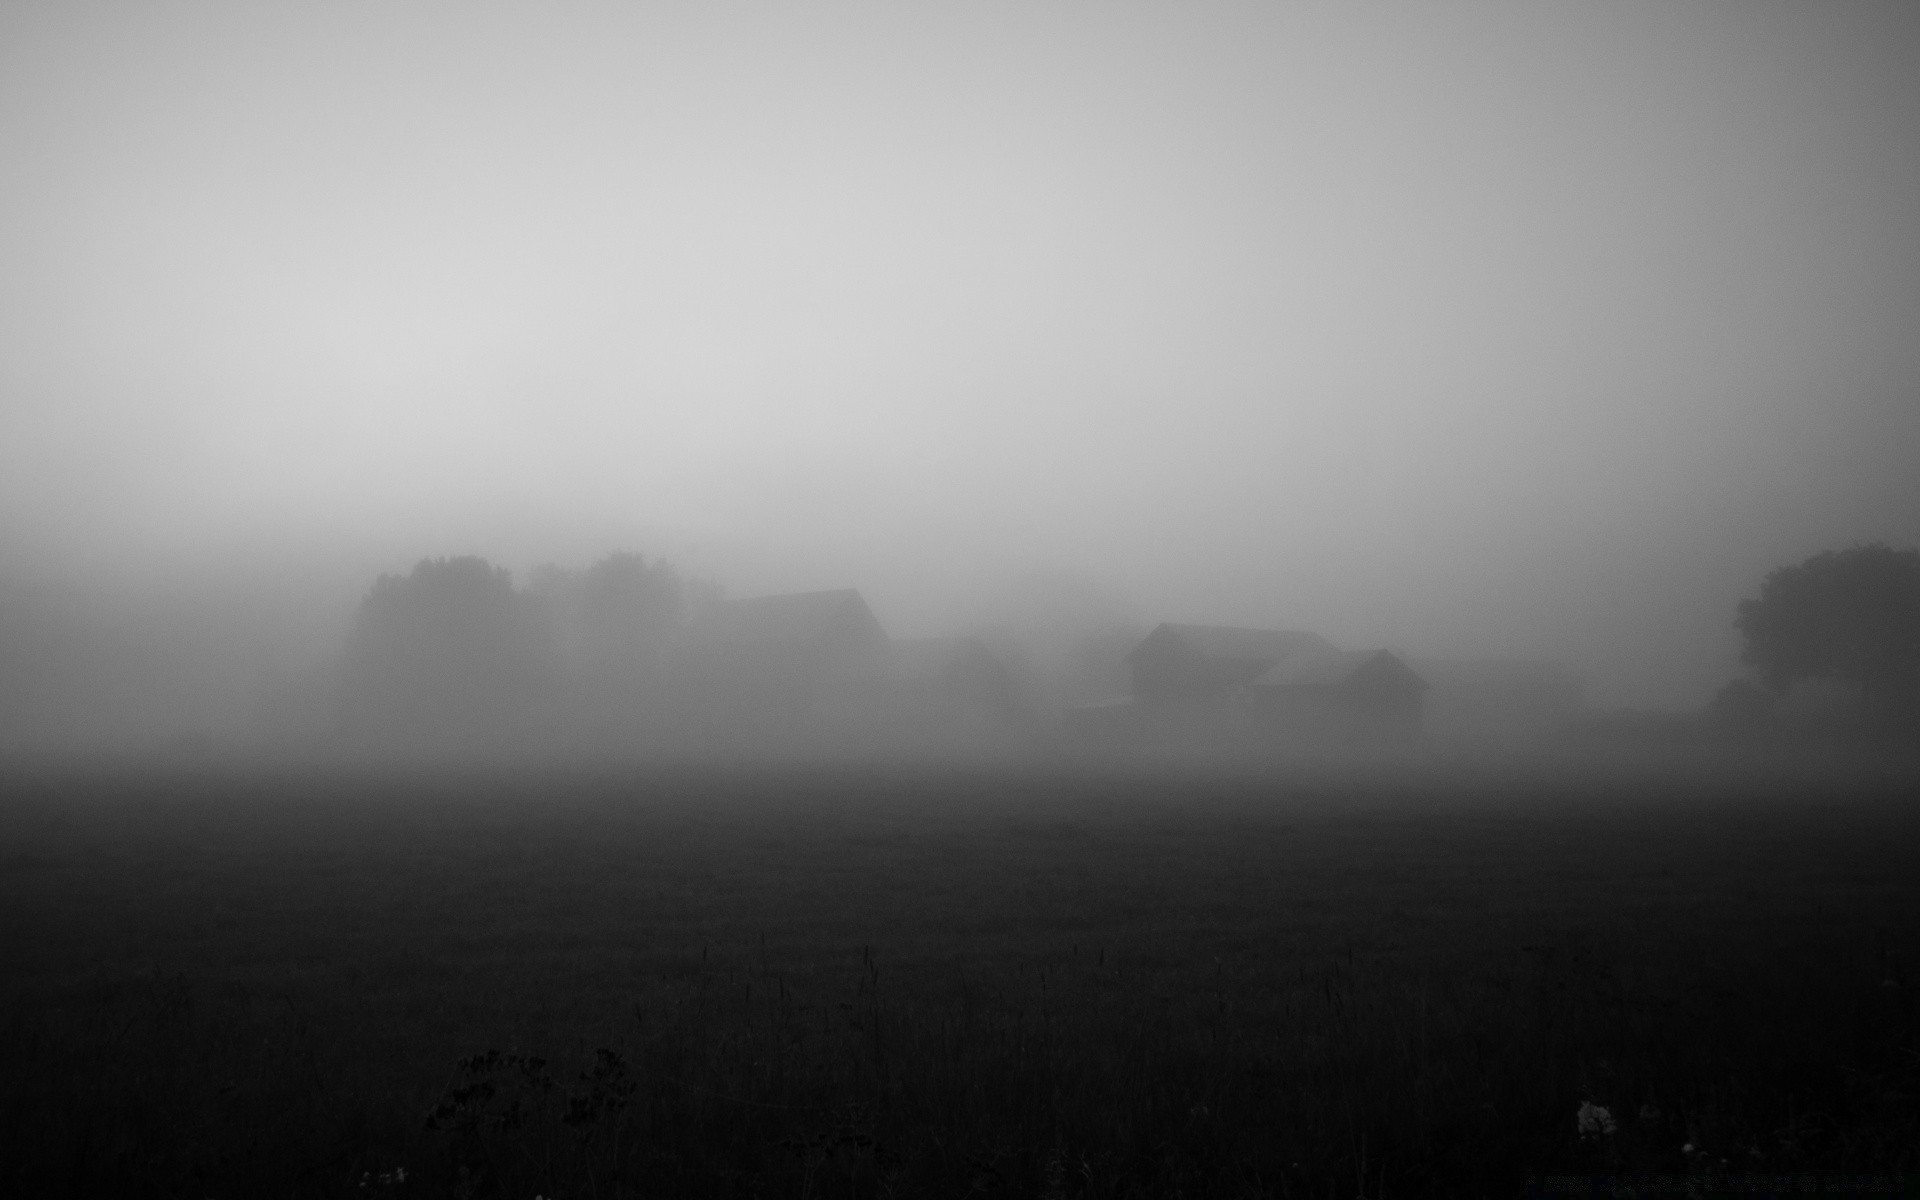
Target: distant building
x,y
773,664
1219,688
1114,723
942,694
1094,667
949,672
1194,662
1338,696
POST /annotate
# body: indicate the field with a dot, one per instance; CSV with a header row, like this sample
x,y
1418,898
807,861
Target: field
x,y
888,982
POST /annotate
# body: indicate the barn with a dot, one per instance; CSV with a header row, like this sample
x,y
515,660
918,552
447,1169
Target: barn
x,y
1197,662
1369,697
958,672
949,694
770,664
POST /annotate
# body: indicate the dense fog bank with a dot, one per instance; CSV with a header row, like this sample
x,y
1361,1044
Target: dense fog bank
x,y
629,658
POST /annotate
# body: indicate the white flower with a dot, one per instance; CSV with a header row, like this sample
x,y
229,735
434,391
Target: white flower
x,y
1594,1121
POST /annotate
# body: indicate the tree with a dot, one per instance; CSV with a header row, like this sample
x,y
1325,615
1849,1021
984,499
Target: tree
x,y
1851,614
448,650
617,612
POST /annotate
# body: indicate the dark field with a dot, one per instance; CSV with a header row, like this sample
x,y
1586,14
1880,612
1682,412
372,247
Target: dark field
x,y
888,983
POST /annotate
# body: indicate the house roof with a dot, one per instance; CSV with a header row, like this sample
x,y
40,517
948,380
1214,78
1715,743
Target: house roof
x,y
1333,667
790,618
1224,643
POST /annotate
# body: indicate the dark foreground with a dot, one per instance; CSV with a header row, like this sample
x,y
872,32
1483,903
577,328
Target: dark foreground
x,y
888,983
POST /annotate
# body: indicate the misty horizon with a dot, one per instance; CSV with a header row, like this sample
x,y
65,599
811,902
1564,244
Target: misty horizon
x,y
1499,332
1088,599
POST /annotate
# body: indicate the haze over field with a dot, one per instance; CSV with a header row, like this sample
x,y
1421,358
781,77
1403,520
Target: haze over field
x,y
1470,329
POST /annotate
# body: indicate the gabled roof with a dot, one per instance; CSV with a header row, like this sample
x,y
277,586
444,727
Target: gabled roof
x,y
792,618
1224,643
1335,667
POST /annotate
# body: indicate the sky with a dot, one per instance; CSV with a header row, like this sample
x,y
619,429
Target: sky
x,y
1468,329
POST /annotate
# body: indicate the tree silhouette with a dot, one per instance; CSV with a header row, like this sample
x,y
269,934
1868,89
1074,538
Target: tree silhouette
x,y
450,649
615,613
1850,614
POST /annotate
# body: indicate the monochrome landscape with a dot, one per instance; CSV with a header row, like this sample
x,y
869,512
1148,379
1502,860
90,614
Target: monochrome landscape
x,y
854,600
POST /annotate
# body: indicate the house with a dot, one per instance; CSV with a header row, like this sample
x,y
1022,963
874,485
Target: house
x,y
1198,662
1218,688
1338,697
948,672
945,694
748,667
1188,689
1118,721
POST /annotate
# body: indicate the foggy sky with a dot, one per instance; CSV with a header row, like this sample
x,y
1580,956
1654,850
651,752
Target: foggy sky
x,y
1520,329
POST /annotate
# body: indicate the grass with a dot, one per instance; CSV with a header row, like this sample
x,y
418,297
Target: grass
x,y
823,983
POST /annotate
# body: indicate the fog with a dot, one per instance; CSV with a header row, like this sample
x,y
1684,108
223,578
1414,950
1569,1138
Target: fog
x,y
1474,332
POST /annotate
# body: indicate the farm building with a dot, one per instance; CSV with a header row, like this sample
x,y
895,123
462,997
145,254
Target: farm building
x,y
773,663
948,671
1188,662
1220,688
1338,696
946,693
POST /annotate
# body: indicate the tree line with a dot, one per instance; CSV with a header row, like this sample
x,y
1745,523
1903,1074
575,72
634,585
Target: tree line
x,y
453,651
